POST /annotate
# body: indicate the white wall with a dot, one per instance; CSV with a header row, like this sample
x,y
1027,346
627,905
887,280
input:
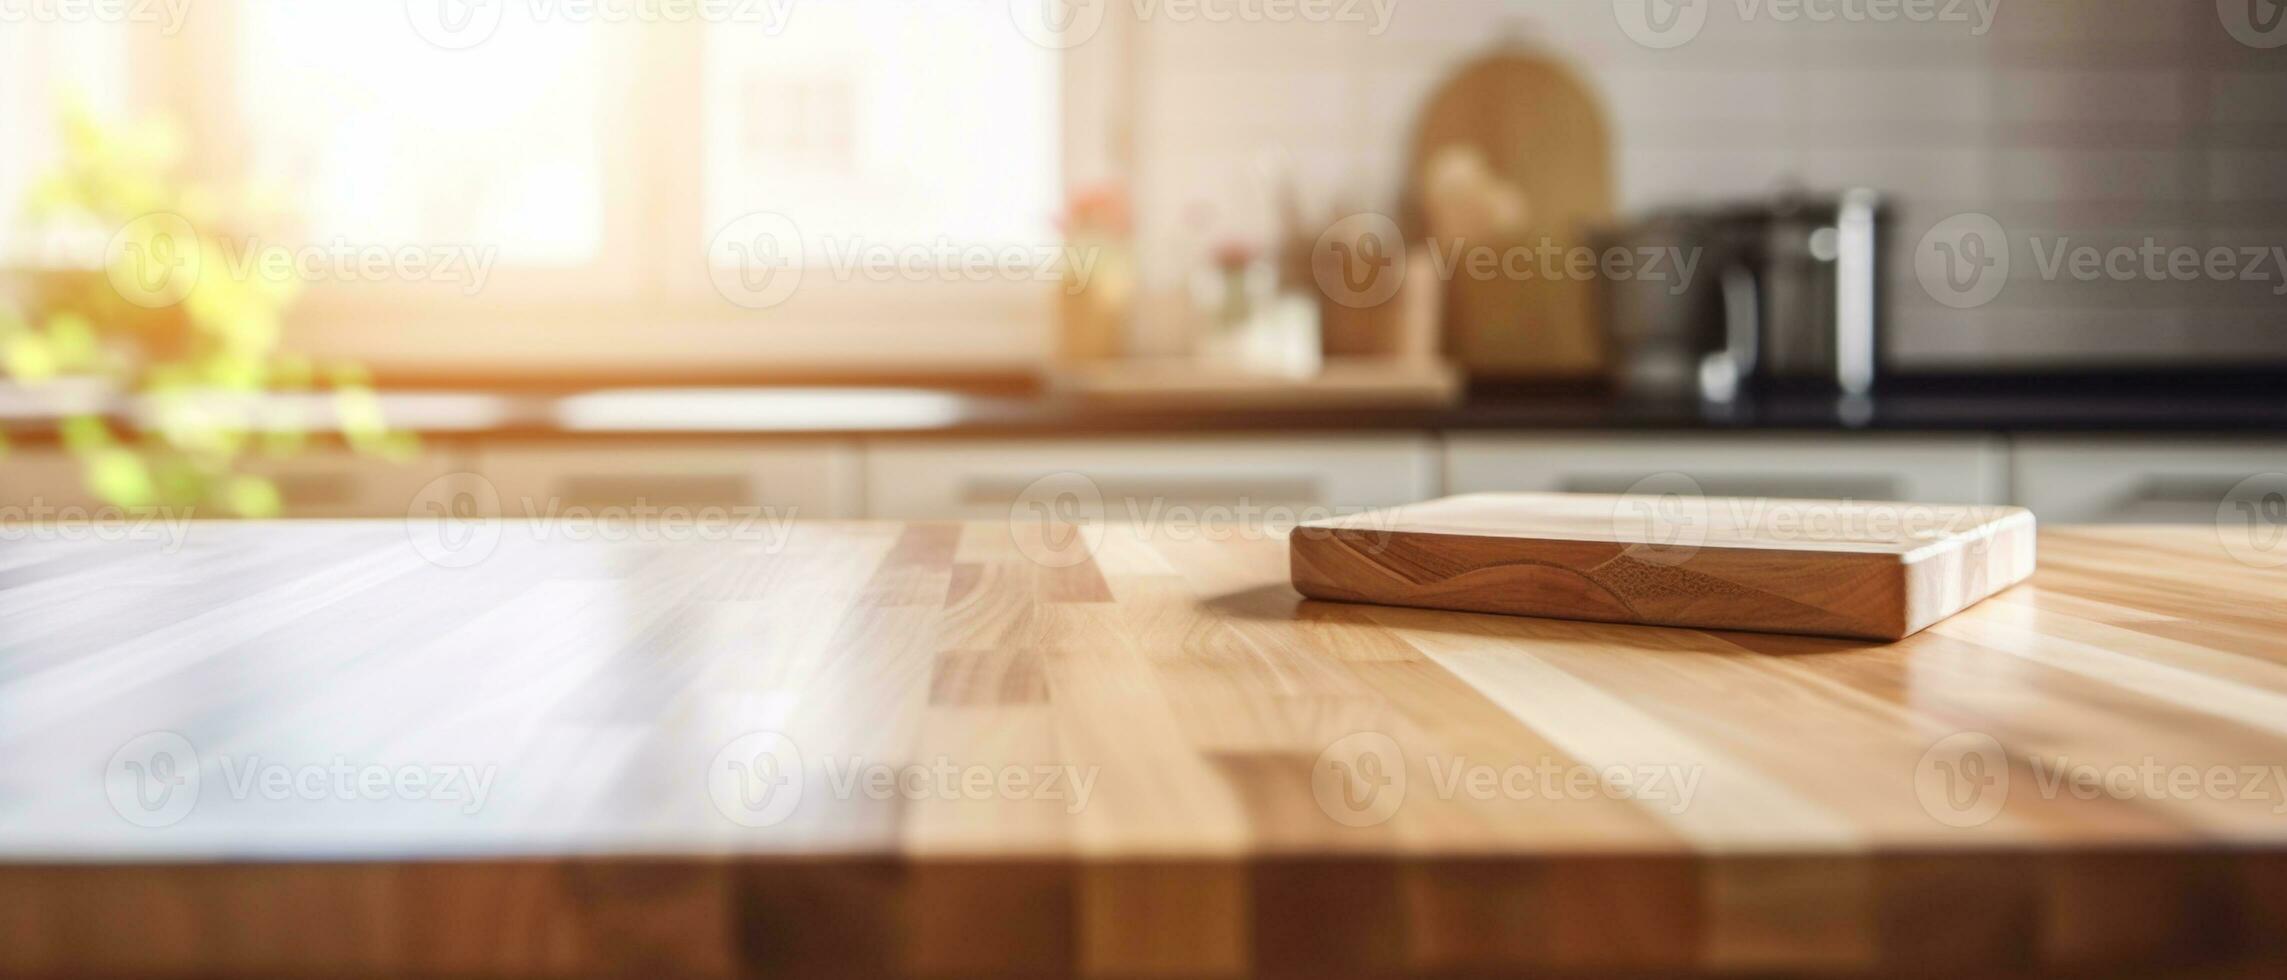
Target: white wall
x,y
2105,120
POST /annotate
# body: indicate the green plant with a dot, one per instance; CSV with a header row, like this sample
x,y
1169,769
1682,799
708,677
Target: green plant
x,y
172,320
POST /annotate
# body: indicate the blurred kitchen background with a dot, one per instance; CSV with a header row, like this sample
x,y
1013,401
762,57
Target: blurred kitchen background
x,y
906,260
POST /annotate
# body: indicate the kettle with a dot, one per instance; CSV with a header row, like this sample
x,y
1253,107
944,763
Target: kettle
x,y
1791,299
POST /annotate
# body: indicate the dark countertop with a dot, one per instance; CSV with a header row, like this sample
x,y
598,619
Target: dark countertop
x,y
2209,404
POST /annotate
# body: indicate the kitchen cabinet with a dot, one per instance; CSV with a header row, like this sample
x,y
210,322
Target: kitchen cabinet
x,y
1138,478
2063,479
805,479
323,483
1933,469
2108,480
36,481
345,485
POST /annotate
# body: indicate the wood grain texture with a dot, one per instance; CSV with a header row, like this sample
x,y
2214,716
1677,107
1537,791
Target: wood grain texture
x,y
1853,569
1273,786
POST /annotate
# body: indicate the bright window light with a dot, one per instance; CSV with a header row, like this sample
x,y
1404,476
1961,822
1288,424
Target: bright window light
x,y
389,139
884,123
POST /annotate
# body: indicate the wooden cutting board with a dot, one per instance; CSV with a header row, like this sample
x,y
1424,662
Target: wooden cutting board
x,y
1539,126
1857,569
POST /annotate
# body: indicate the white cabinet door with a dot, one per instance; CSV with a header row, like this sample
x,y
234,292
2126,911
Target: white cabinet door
x,y
1944,470
2090,480
811,480
340,484
317,483
1143,478
35,483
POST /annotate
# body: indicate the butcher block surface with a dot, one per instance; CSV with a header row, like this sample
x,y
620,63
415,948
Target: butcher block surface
x,y
1146,757
1869,570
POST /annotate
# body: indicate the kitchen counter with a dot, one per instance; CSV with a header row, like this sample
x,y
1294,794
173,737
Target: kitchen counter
x,y
882,749
2200,404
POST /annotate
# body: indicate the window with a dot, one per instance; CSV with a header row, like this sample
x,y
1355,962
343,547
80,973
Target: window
x,y
46,66
393,140
592,157
896,123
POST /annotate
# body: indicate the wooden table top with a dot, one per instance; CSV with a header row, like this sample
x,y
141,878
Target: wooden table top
x,y
881,748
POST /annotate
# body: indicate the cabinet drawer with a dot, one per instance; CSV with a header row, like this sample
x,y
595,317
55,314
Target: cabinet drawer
x,y
2137,481
812,480
973,480
1964,470
36,482
344,485
315,484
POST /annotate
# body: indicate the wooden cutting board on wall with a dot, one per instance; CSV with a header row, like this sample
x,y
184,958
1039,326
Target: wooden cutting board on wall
x,y
1539,127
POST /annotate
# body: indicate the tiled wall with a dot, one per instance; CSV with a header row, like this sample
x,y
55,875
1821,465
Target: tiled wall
x,y
2104,120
